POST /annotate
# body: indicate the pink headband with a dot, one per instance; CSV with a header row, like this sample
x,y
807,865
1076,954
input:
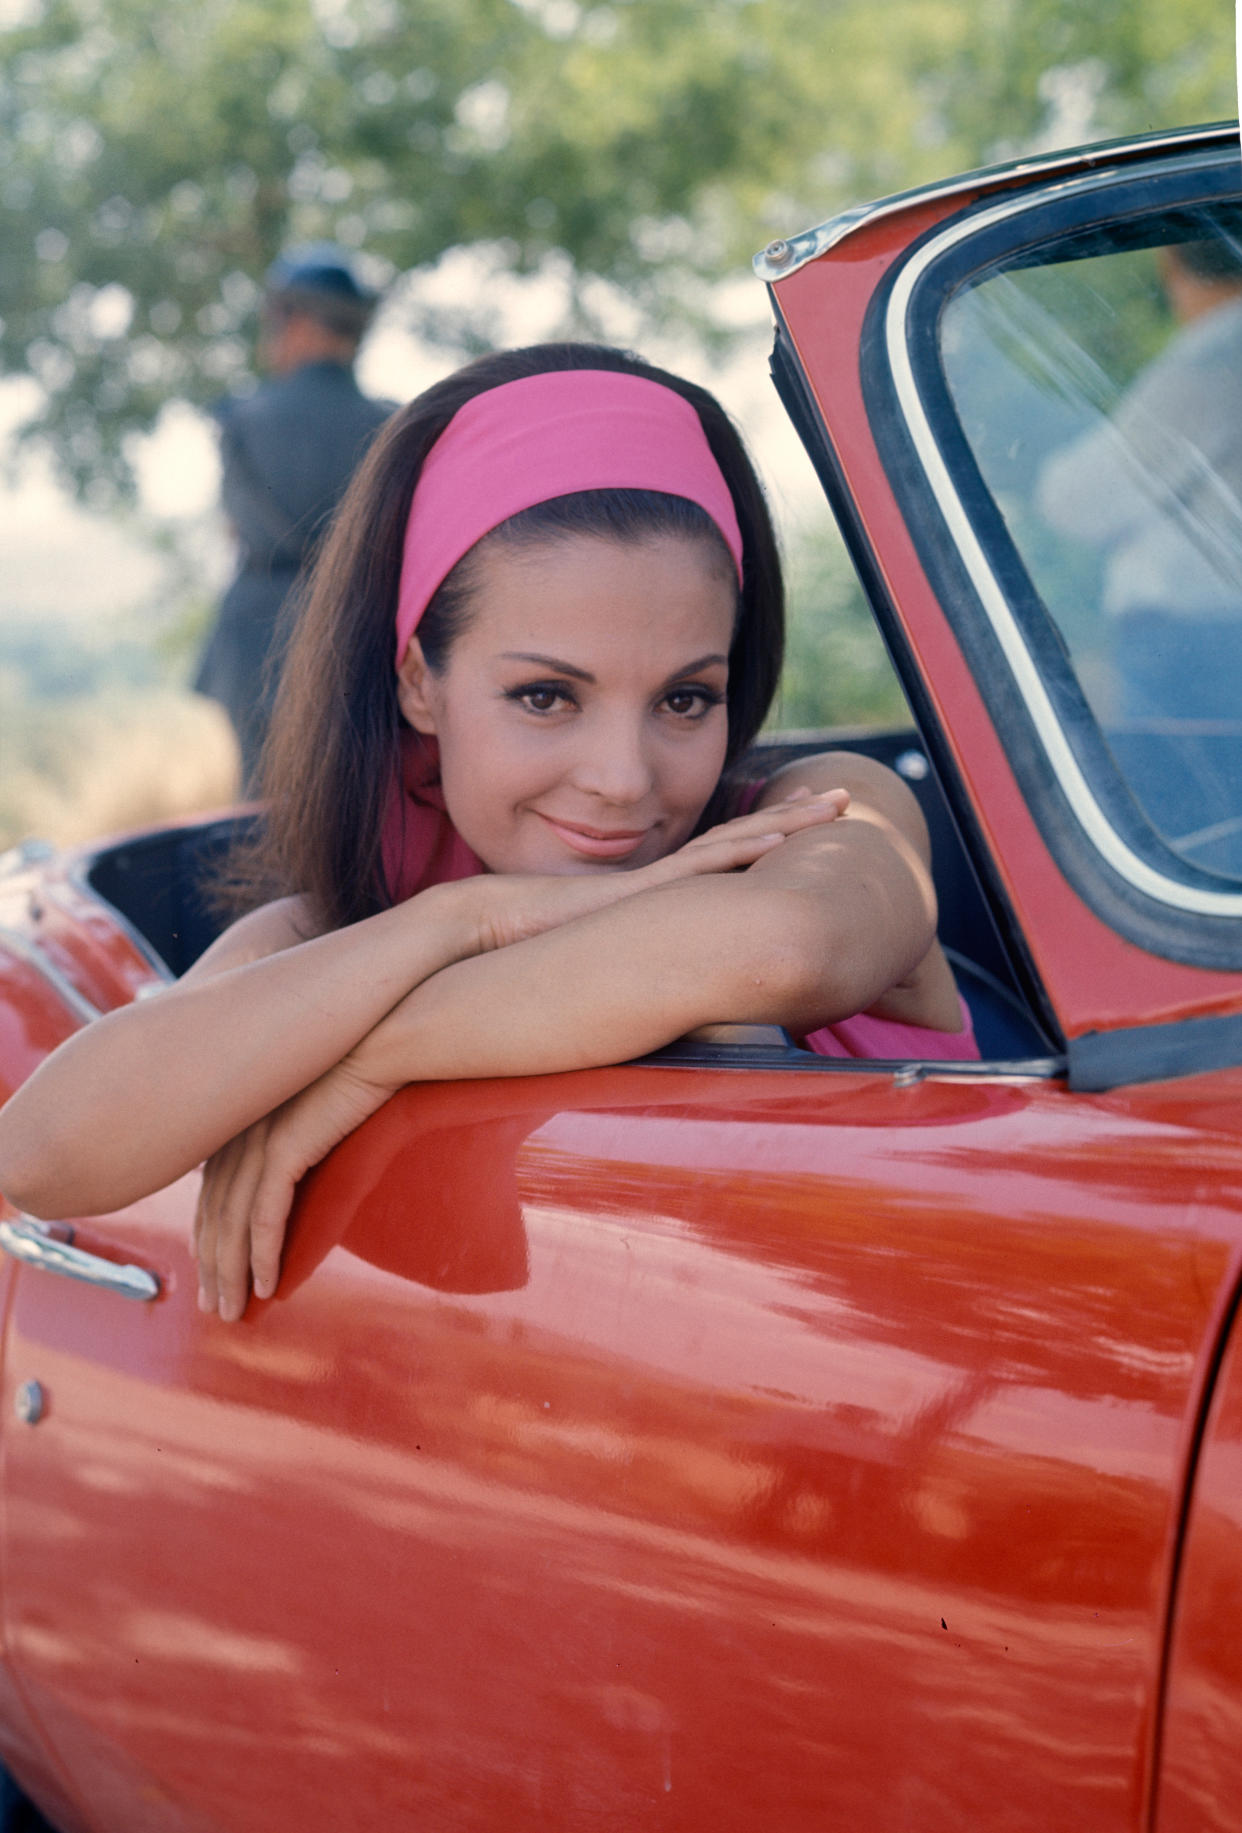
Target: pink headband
x,y
545,436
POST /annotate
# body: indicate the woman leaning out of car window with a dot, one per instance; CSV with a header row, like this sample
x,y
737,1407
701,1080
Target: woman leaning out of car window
x,y
508,832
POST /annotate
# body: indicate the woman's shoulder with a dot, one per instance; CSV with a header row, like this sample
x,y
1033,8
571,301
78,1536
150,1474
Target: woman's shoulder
x,y
262,932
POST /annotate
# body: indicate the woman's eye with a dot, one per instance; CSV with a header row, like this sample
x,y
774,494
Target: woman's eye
x,y
540,699
691,702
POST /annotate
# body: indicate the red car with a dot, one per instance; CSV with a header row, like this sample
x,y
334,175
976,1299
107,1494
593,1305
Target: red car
x,y
738,1438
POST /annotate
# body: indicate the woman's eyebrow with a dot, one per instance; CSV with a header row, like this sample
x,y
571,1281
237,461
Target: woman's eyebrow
x,y
550,662
693,668
581,674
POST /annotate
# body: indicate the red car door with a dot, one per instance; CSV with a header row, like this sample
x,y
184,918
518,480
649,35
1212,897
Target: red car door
x,y
657,1447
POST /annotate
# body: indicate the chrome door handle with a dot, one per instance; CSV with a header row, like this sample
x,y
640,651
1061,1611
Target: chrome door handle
x,y
33,1243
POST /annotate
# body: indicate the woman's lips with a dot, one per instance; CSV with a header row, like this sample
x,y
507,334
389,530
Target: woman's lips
x,y
597,842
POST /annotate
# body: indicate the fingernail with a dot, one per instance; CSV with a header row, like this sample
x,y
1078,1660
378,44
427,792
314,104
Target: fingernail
x,y
798,795
229,1310
263,1288
205,1300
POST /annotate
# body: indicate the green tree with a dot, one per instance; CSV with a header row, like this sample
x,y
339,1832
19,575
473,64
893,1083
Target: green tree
x,y
156,154
837,671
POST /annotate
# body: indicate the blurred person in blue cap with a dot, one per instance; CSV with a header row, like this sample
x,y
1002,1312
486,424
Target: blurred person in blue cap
x,y
288,452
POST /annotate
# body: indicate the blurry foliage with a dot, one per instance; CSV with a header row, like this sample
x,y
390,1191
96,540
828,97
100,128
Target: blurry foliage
x,y
837,671
50,660
154,155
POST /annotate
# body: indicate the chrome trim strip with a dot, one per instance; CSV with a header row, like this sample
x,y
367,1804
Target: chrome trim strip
x,y
27,853
29,1241
62,986
1090,816
795,251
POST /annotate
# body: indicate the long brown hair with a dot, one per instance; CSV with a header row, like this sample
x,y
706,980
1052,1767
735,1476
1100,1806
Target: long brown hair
x,y
333,748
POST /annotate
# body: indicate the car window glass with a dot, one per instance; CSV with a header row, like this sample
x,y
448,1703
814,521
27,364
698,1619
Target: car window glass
x,y
1099,387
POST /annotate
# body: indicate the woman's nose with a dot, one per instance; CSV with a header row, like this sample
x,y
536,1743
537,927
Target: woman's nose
x,y
614,764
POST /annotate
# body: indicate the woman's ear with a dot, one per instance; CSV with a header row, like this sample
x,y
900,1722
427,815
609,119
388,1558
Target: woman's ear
x,y
416,686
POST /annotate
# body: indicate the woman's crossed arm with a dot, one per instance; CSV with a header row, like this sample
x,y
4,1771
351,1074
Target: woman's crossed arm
x,y
140,1096
839,918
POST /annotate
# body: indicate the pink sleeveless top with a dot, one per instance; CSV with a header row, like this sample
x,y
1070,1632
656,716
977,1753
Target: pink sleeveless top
x,y
422,848
866,1036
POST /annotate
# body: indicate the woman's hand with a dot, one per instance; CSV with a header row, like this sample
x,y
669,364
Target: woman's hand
x,y
744,839
514,907
248,1186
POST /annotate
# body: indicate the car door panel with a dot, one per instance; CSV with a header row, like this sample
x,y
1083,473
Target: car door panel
x,y
620,1442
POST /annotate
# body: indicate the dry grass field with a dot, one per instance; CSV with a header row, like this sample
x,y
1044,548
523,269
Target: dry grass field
x,y
73,768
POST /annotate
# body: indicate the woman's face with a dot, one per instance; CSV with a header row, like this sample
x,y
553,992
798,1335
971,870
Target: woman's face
x,y
581,714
